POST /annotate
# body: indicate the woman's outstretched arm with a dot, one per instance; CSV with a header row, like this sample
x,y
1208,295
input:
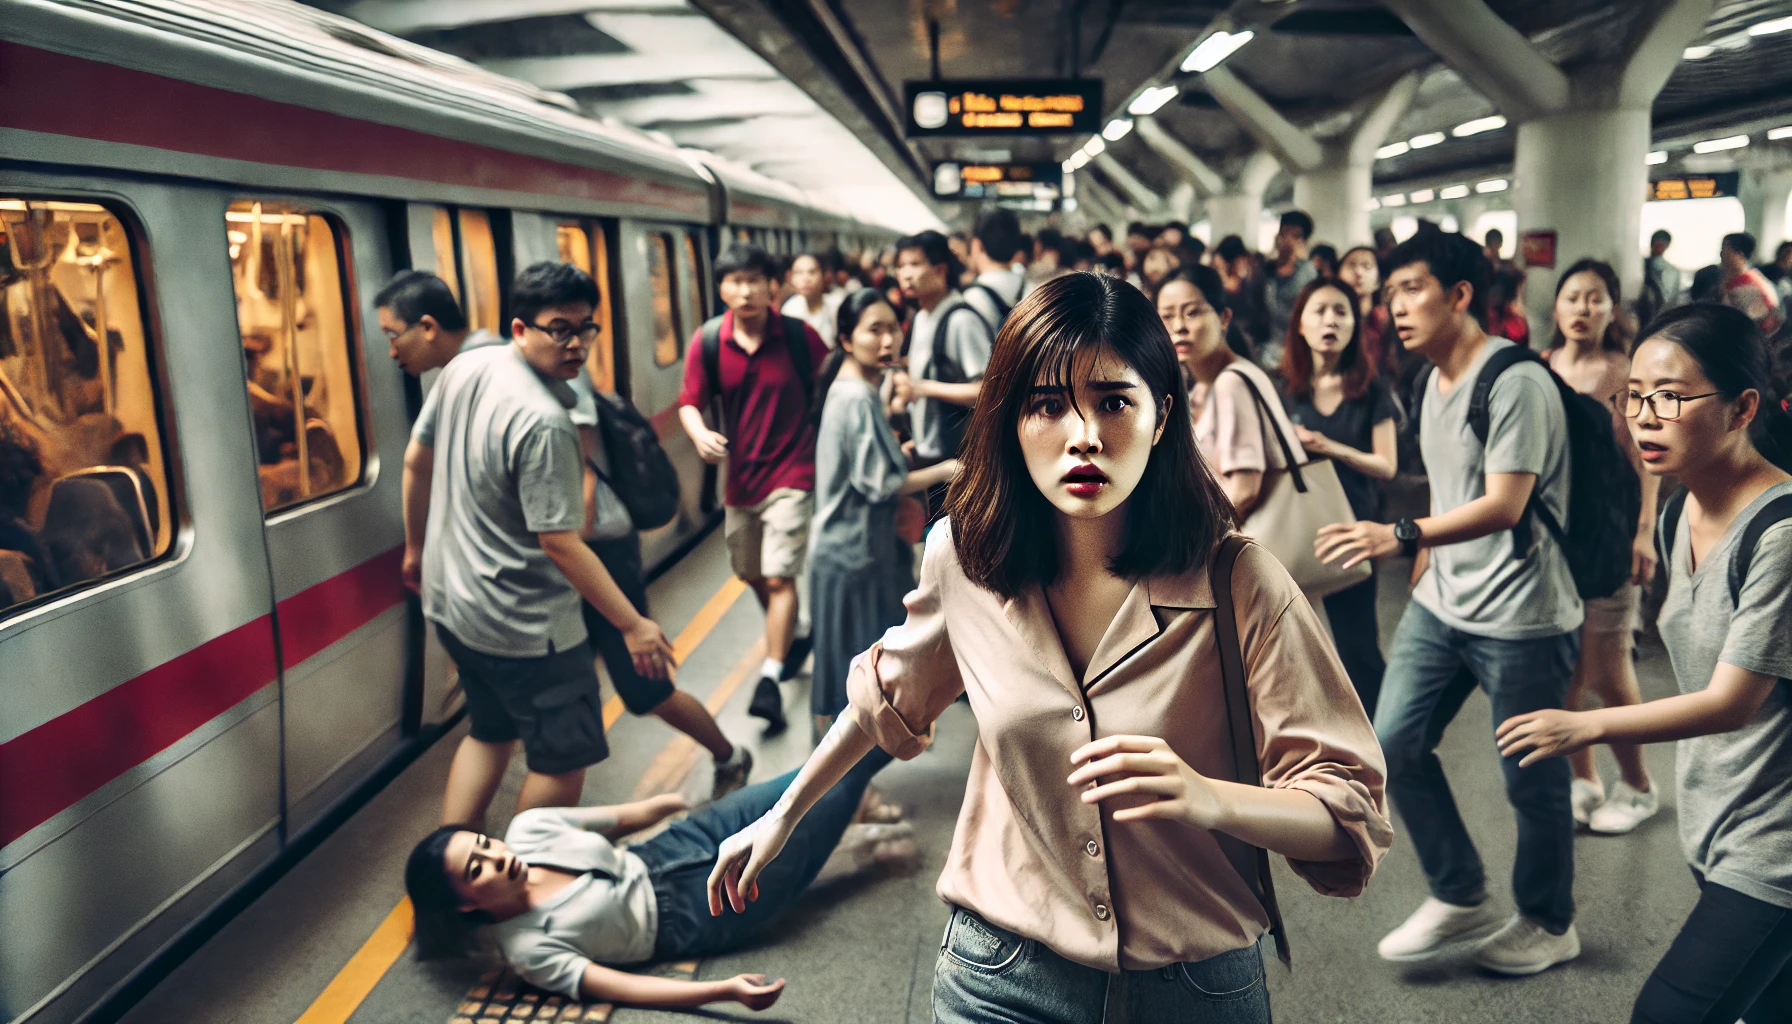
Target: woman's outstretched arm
x,y
746,853
608,985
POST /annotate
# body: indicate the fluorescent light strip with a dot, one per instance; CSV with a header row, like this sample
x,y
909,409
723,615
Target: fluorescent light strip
x,y
1719,145
1660,156
1095,146
1117,129
1768,28
1423,195
1492,185
1782,132
1454,192
1392,149
1426,140
1698,52
1151,100
1396,199
1478,125
1373,204
1213,50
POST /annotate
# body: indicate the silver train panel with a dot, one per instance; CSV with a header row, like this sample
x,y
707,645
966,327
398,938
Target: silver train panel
x,y
343,710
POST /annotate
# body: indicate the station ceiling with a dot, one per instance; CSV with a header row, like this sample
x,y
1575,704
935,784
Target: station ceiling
x,y
811,90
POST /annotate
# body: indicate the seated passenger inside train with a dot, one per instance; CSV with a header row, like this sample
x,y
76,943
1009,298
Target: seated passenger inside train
x,y
564,902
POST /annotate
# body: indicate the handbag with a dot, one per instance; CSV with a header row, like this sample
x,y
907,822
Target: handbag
x,y
1294,503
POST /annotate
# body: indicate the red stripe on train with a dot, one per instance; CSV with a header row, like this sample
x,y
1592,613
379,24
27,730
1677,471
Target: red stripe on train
x,y
62,95
77,752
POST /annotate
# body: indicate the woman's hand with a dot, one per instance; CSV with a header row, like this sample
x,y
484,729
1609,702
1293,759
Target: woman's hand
x,y
1547,733
753,991
1316,442
1642,559
740,860
1145,766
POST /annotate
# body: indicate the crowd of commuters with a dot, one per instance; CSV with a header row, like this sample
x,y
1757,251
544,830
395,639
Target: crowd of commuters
x,y
1050,442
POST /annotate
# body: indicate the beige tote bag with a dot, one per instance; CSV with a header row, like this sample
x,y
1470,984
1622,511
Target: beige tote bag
x,y
1293,504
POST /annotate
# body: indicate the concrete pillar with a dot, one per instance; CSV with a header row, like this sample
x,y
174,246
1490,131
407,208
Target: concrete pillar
x,y
1763,195
1237,210
1337,198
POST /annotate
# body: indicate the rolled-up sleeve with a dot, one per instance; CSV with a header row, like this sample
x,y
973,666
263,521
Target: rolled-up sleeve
x,y
905,681
1312,732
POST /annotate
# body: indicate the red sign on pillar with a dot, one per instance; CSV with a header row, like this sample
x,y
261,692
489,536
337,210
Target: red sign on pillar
x,y
1538,249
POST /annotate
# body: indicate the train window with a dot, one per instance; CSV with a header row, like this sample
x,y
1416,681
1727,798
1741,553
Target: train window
x,y
83,479
667,345
479,270
298,351
441,233
583,245
691,277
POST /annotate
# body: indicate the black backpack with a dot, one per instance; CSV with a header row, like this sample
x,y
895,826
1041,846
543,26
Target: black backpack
x,y
953,417
1605,498
640,473
796,342
1777,511
995,299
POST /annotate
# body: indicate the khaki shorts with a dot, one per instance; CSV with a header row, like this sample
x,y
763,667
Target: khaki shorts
x,y
770,540
1616,614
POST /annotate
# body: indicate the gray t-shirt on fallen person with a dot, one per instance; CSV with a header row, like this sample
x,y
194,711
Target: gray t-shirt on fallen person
x,y
1477,585
481,338
607,915
506,469
859,471
1736,787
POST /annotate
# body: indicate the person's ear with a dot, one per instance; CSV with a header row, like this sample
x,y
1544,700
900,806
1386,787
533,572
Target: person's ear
x,y
517,327
431,326
1748,406
1163,418
1461,295
1225,320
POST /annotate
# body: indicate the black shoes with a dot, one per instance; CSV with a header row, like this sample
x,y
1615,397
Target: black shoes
x,y
794,658
768,703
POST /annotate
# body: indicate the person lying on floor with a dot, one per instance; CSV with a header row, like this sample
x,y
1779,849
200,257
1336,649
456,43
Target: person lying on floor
x,y
563,901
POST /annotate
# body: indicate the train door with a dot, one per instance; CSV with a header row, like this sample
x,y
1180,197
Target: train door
x,y
329,432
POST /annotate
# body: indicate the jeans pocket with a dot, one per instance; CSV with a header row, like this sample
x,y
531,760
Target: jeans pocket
x,y
1228,976
975,943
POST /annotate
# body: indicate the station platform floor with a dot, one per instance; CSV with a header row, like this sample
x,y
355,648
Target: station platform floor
x,y
329,942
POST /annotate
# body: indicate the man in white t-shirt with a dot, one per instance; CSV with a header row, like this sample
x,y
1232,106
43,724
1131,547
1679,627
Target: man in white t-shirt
x,y
998,286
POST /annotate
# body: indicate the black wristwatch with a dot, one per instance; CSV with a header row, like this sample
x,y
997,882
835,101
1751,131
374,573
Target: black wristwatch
x,y
1407,533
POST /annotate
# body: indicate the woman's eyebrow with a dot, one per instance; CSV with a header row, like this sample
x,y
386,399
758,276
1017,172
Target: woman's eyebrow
x,y
1111,385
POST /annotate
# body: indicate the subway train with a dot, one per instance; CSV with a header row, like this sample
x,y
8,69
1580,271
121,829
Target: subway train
x,y
205,647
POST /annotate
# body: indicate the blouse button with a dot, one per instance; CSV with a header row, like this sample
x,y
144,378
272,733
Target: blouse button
x,y
1101,911
1092,848
1077,712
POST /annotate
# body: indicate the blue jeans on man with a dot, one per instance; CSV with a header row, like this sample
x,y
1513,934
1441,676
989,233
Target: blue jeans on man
x,y
1432,668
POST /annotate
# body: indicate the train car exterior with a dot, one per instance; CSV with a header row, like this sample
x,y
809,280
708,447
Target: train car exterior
x,y
204,644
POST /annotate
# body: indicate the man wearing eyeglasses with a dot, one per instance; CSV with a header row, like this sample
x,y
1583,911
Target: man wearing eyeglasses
x,y
503,565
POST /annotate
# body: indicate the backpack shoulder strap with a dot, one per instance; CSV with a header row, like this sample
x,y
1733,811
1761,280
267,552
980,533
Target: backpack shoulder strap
x,y
1251,863
937,354
1667,524
1480,400
995,299
1777,511
711,343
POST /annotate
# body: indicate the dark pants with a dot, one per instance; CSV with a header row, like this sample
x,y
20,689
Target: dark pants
x,y
680,859
1357,633
1431,671
622,557
1732,960
985,973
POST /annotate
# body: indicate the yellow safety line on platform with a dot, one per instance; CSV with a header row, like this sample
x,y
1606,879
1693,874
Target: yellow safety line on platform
x,y
668,770
343,996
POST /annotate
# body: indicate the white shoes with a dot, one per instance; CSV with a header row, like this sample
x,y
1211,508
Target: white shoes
x,y
1435,926
1624,810
1525,947
1585,797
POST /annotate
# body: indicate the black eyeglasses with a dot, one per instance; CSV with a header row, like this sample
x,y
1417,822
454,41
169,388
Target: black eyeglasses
x,y
1666,404
564,334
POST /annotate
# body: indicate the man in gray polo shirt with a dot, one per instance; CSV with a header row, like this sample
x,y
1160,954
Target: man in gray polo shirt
x,y
503,565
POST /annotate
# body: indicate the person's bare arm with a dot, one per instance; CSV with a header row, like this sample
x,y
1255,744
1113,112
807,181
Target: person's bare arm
x,y
613,821
1244,487
419,470
711,445
957,394
608,985
921,479
1499,509
1731,701
1379,464
647,643
1642,547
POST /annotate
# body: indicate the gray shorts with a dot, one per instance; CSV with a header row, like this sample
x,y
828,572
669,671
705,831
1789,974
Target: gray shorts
x,y
551,703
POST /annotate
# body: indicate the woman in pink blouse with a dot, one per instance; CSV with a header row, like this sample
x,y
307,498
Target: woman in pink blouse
x,y
1069,600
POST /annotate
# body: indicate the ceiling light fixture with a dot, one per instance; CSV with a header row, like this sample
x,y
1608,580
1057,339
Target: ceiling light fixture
x,y
1151,100
1768,28
1454,192
1070,166
1396,199
1698,52
1426,140
1492,185
1660,156
1478,125
1095,146
1373,204
1423,195
1392,149
1782,132
1078,160
1213,50
1719,145
1117,129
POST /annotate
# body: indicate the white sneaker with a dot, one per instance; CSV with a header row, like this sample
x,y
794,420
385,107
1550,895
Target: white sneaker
x,y
1525,947
1435,926
1585,796
1626,809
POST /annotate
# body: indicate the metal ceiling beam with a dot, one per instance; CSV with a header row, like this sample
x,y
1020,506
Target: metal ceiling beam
x,y
405,17
1489,53
1293,146
1136,190
1657,51
1168,146
584,71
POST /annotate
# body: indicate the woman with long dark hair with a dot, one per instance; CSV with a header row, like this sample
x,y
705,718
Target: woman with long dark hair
x,y
1068,598
1360,268
857,570
1591,351
1701,408
1343,412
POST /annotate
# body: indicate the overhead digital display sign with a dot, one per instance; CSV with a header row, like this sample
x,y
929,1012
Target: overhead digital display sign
x,y
955,180
1695,186
1015,106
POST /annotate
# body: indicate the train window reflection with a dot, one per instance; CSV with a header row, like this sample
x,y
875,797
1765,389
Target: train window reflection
x,y
667,345
441,236
479,271
582,244
83,481
298,351
690,278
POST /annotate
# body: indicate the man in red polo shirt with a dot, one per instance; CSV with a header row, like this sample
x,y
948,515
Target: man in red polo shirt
x,y
744,362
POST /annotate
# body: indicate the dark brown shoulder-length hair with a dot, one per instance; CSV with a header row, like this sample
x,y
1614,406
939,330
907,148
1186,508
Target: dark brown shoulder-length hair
x,y
1001,524
1297,356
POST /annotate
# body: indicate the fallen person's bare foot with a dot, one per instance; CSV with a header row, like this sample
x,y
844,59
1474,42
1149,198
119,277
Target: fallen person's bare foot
x,y
873,810
863,847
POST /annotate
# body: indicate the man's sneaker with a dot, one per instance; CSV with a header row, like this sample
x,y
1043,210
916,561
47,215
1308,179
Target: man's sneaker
x,y
1435,926
768,703
732,773
794,658
1526,947
1626,809
1585,796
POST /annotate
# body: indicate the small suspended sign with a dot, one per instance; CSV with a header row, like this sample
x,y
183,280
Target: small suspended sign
x,y
990,107
953,179
1695,186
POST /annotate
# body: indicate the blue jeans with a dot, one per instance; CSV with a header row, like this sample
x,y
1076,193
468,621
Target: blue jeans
x,y
1431,671
680,858
985,973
